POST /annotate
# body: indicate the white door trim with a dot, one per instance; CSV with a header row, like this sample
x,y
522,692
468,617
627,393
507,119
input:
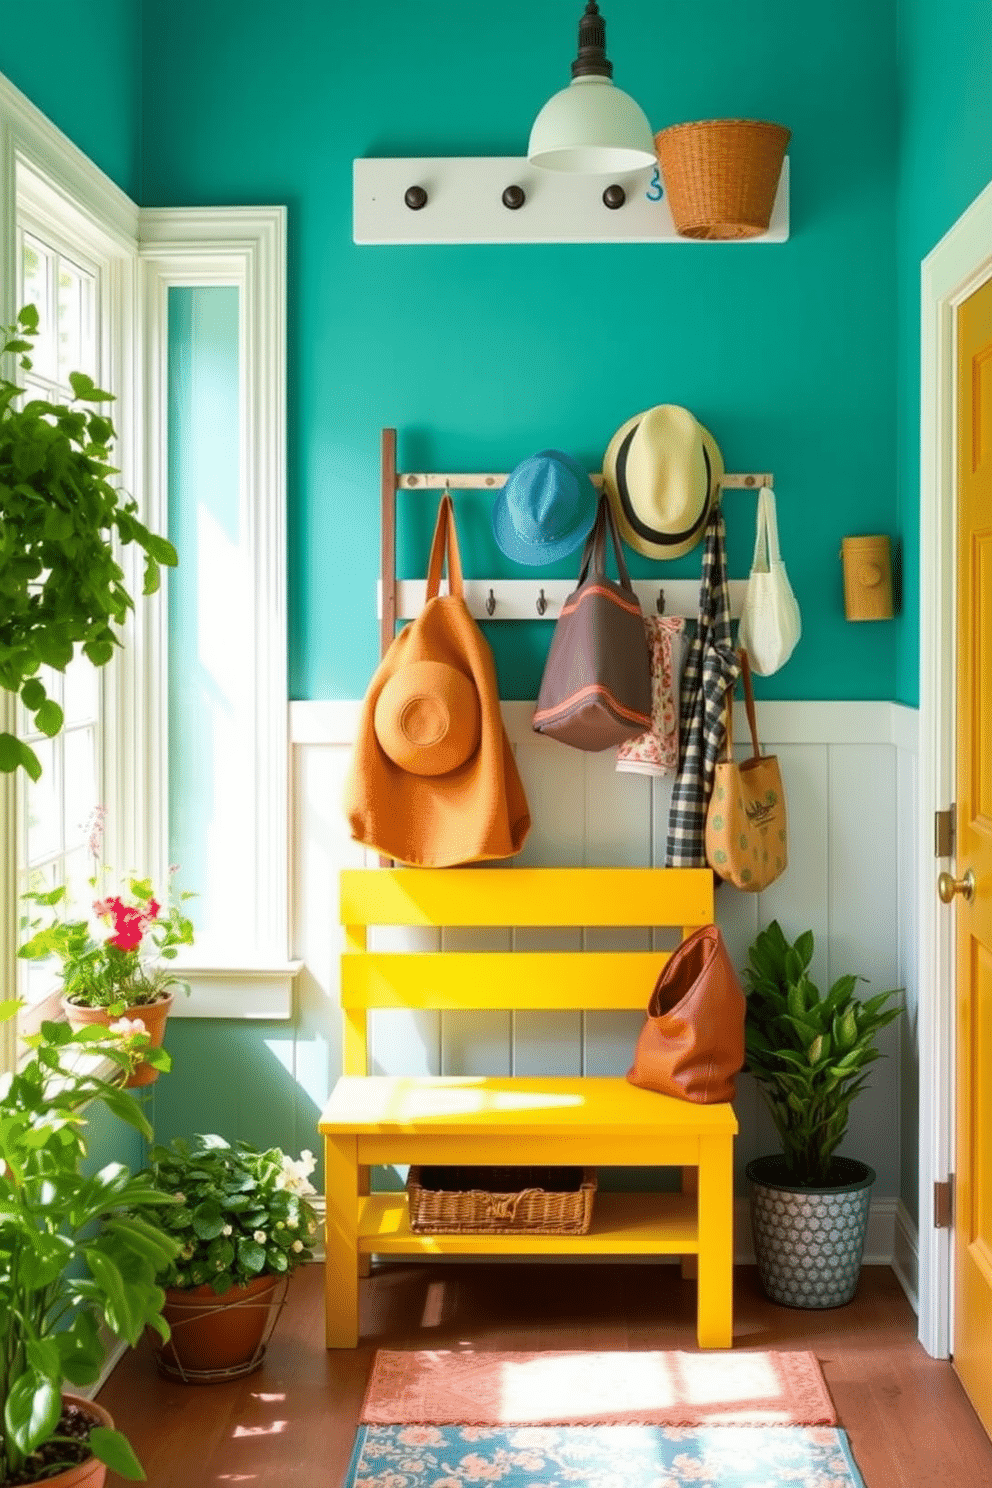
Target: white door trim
x,y
960,262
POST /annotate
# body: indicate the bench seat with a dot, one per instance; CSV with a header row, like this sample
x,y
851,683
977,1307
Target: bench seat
x,y
582,1121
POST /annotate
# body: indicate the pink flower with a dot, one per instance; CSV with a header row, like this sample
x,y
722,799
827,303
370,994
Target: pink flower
x,y
153,909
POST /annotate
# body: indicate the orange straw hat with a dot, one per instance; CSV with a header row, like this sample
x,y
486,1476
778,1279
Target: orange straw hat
x,y
662,472
427,718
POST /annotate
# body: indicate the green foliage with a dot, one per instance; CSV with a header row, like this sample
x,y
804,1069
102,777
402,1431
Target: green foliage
x,y
60,515
124,969
808,1053
242,1213
56,1222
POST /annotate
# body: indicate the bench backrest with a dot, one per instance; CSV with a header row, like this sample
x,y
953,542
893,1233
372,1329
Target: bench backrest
x,y
680,898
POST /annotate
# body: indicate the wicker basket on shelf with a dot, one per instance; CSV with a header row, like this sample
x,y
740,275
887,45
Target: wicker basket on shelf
x,y
466,1200
721,175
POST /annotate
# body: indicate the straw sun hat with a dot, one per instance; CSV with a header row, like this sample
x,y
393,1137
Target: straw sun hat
x,y
427,718
662,472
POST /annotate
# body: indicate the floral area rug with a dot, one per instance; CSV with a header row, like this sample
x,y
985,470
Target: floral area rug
x,y
733,1387
602,1457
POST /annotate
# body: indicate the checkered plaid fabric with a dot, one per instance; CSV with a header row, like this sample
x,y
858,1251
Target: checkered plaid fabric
x,y
711,667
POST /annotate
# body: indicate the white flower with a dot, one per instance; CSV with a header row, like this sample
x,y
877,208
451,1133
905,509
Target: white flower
x,y
180,1196
294,1175
297,1245
292,1224
228,1230
259,1235
128,1026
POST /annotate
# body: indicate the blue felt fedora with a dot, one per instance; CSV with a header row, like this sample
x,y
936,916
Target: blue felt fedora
x,y
545,510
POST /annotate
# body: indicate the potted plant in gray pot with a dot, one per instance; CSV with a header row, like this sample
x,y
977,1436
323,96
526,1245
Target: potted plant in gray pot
x,y
77,1254
809,1054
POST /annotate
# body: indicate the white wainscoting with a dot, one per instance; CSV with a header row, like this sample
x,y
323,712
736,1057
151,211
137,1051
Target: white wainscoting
x,y
849,770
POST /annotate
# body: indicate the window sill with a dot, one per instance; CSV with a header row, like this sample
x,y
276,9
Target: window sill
x,y
239,992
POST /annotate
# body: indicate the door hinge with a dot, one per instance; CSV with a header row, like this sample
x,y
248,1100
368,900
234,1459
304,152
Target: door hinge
x,y
943,833
943,1203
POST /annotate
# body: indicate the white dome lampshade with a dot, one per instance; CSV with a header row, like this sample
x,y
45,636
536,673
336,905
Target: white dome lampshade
x,y
591,127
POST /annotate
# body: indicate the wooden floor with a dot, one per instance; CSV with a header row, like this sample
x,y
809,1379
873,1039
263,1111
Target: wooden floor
x,y
293,1421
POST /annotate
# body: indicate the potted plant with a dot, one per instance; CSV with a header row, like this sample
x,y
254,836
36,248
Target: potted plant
x,y
809,1055
243,1224
77,1252
60,517
125,974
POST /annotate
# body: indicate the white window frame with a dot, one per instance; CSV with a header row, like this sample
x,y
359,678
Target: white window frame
x,y
244,247
44,174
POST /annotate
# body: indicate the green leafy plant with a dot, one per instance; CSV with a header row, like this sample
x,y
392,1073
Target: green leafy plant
x,y
808,1052
60,514
127,968
242,1213
76,1250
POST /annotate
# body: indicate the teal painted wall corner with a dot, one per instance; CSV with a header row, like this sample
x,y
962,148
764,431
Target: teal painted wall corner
x,y
81,66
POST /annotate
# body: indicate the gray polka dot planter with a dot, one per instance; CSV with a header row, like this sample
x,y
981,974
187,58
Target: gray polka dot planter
x,y
809,1241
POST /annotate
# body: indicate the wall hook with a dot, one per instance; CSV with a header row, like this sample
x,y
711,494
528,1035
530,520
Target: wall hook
x,y
660,602
514,197
614,196
415,198
542,603
491,604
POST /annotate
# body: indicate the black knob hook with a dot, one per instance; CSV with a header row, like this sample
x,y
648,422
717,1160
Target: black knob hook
x,y
613,197
415,198
514,197
660,602
542,603
491,604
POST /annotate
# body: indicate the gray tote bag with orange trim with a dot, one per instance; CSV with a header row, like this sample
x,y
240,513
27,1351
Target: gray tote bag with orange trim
x,y
596,688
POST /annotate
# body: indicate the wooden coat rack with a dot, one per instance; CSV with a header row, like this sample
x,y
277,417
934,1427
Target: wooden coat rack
x,y
512,599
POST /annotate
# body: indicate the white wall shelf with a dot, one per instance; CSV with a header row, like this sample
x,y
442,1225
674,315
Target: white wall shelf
x,y
465,204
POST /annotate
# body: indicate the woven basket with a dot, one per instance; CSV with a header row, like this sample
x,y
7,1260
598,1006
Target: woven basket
x,y
501,1201
721,175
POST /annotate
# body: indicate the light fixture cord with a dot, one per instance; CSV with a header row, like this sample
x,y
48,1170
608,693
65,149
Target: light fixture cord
x,y
592,60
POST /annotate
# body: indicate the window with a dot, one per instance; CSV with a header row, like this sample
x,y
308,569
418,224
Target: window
x,y
68,240
56,811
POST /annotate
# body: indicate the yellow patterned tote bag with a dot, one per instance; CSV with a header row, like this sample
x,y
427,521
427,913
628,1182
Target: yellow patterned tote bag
x,y
747,834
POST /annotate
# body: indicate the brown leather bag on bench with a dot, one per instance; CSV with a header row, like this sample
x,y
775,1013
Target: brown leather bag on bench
x,y
692,1044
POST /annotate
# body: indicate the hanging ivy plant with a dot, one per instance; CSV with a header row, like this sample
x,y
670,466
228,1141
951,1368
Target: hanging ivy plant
x,y
60,583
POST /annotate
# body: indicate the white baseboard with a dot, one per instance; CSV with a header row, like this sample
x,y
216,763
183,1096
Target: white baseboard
x,y
116,1348
906,1255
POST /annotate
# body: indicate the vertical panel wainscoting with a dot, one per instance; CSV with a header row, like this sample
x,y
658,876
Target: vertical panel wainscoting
x,y
849,772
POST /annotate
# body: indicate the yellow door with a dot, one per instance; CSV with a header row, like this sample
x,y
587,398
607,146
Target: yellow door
x,y
973,1146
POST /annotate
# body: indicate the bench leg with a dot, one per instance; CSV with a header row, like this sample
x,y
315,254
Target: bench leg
x,y
364,1261
341,1242
715,1299
690,1263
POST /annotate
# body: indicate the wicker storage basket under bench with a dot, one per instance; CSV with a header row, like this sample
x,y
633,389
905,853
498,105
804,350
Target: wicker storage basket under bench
x,y
484,1200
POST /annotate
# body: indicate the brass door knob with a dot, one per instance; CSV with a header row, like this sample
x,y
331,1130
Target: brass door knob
x,y
948,886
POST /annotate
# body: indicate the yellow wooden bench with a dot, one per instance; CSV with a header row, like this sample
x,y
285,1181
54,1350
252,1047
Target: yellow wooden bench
x,y
583,1121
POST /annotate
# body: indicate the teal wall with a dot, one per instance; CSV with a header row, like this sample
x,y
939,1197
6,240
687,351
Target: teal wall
x,y
945,161
80,64
482,355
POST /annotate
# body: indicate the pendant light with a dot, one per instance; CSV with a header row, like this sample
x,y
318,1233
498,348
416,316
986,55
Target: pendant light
x,y
590,127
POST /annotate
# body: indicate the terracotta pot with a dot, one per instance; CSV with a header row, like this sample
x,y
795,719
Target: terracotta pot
x,y
217,1337
92,1473
153,1014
